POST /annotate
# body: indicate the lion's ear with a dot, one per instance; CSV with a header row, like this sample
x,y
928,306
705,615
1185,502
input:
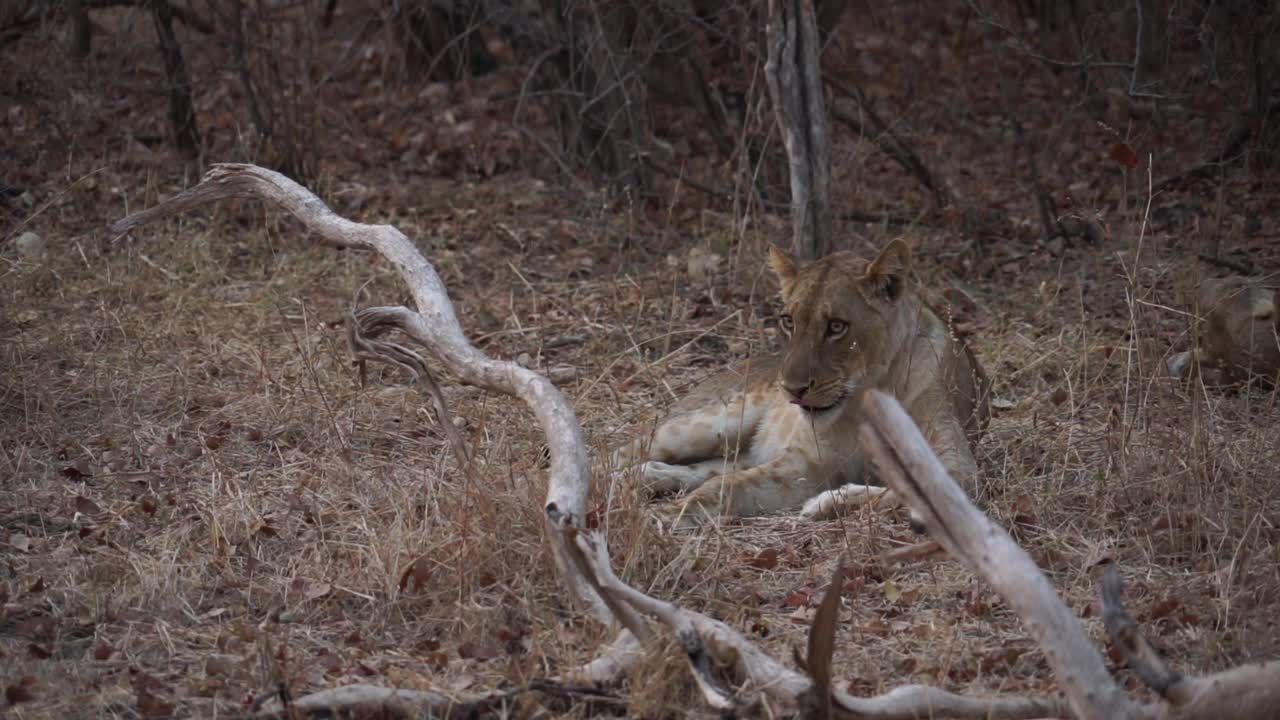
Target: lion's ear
x,y
888,272
784,266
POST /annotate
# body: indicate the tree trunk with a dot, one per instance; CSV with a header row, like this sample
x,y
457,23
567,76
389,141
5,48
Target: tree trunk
x,y
1153,42
182,116
81,31
795,87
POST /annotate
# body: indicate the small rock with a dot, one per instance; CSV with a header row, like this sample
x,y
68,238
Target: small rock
x,y
31,246
523,360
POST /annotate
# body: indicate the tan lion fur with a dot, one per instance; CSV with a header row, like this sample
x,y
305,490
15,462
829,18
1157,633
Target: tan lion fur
x,y
781,433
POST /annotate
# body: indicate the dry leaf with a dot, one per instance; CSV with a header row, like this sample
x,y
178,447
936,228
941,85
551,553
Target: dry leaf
x,y
1124,154
416,575
891,591
20,691
318,590
85,506
766,559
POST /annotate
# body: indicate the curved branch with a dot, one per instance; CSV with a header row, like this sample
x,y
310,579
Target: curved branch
x,y
726,646
434,325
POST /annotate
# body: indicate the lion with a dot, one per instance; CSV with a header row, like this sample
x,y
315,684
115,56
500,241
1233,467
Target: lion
x,y
1239,333
781,433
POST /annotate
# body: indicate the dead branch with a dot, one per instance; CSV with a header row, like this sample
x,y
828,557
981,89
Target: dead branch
x,y
1241,693
1138,653
1044,203
711,646
795,87
899,150
183,15
911,553
362,329
381,702
434,325
1232,146
728,648
1242,268
1016,38
727,196
910,468
822,646
81,39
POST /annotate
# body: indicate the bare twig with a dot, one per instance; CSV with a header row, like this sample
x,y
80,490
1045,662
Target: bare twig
x,y
1248,692
1231,148
1139,654
726,195
911,553
1222,262
374,701
362,329
1085,63
911,469
183,15
888,141
1044,203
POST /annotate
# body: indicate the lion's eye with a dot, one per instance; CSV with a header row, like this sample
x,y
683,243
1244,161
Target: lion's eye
x,y
786,322
836,328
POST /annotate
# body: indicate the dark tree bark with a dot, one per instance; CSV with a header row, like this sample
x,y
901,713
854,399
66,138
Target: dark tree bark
x,y
1152,43
795,87
81,30
182,116
601,119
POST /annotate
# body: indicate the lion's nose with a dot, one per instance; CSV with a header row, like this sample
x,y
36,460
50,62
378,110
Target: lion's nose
x,y
797,392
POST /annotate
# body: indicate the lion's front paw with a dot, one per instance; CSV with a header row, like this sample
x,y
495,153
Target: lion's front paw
x,y
686,514
831,503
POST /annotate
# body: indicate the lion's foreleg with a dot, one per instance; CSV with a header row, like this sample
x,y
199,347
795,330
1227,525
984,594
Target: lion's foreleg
x,y
783,483
658,477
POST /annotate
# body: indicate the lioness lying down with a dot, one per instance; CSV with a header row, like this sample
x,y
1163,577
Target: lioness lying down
x,y
782,433
1239,333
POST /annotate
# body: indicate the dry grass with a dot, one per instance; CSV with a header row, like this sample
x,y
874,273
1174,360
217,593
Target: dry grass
x,y
199,499
199,479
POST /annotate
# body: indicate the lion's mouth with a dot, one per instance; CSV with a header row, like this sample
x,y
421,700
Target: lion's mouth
x,y
808,407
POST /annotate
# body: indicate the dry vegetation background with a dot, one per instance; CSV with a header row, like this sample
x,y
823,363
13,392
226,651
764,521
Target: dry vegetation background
x,y
200,500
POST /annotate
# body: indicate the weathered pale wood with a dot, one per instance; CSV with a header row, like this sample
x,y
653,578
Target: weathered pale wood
x,y
433,324
727,646
894,443
906,463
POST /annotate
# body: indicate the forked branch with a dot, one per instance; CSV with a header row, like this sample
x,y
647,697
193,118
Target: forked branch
x,y
715,650
582,558
434,325
912,470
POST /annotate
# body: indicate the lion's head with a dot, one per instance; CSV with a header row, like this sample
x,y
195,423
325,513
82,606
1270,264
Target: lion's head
x,y
844,316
